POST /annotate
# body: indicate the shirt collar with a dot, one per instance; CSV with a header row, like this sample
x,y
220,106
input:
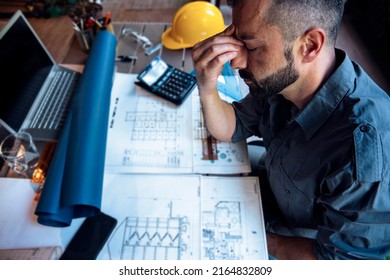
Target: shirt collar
x,y
317,111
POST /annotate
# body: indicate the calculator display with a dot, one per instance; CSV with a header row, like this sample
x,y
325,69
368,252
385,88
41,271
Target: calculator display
x,y
166,81
157,69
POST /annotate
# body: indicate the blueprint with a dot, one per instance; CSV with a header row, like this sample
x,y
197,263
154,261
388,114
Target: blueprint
x,y
147,134
211,156
183,217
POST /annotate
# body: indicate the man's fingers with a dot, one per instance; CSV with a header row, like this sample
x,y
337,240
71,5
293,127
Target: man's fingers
x,y
229,31
207,51
210,55
218,44
219,60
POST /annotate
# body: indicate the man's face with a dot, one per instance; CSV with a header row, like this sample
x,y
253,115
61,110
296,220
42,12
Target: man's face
x,y
269,64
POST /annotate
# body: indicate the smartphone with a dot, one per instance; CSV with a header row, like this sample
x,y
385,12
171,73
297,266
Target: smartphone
x,y
166,81
90,238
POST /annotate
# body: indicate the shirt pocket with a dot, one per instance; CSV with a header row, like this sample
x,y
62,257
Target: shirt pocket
x,y
295,203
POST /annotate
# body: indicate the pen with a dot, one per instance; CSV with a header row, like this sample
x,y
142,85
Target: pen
x,y
96,22
107,19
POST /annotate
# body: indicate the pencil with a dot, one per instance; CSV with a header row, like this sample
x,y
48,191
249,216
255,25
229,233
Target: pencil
x,y
96,22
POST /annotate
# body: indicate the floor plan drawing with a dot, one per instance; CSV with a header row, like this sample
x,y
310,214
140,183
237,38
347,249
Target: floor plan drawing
x,y
231,219
150,135
209,152
183,217
222,232
150,127
146,133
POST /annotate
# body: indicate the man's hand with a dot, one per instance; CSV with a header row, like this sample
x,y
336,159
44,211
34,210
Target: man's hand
x,y
210,55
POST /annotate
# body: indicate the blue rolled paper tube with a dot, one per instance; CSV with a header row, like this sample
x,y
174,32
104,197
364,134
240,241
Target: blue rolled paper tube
x,y
74,183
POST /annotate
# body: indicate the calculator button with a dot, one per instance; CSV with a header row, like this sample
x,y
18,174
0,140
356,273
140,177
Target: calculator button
x,y
175,86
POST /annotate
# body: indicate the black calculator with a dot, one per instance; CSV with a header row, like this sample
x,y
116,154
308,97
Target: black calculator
x,y
166,81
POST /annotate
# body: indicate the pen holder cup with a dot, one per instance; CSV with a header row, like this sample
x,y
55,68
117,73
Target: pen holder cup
x,y
85,37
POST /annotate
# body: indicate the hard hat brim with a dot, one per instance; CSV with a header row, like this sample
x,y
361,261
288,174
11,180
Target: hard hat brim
x,y
172,44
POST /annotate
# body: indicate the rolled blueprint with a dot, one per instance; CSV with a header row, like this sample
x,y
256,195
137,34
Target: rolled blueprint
x,y
73,186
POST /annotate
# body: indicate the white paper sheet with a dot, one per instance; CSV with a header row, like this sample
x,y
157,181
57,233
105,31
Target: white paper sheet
x,y
184,217
231,158
19,227
147,134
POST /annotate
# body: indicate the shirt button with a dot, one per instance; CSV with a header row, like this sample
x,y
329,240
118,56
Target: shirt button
x,y
287,191
364,128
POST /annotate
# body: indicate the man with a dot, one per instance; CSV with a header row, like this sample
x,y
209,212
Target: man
x,y
325,125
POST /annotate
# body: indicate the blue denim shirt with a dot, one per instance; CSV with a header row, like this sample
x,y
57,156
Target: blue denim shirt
x,y
328,165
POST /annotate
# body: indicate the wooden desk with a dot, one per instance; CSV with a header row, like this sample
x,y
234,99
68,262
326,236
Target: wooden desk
x,y
58,36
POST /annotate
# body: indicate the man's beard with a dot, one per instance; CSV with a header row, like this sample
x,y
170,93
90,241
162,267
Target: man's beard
x,y
274,83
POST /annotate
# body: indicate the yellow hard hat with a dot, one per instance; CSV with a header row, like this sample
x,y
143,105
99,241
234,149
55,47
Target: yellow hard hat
x,y
193,23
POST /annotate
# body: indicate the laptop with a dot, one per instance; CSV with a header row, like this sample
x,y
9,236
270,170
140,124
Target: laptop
x,y
35,92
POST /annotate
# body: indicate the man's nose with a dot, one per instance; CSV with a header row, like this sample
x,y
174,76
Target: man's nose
x,y
240,61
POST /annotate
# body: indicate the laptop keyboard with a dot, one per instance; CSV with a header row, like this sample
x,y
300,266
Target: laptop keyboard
x,y
51,112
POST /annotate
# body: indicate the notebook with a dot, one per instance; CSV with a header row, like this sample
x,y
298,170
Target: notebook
x,y
35,92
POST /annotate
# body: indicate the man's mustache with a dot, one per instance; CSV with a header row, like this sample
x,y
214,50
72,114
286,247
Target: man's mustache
x,y
245,75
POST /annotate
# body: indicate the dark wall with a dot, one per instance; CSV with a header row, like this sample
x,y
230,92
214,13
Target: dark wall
x,y
372,21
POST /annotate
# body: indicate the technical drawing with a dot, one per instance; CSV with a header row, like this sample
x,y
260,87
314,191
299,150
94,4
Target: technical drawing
x,y
155,123
222,237
186,217
151,135
208,150
150,238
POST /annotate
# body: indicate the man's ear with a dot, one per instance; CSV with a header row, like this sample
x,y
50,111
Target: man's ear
x,y
312,42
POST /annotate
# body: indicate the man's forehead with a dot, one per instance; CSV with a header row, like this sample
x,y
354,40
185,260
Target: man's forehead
x,y
253,6
247,17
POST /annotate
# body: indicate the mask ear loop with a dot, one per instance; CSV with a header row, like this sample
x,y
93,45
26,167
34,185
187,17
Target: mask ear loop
x,y
147,45
141,39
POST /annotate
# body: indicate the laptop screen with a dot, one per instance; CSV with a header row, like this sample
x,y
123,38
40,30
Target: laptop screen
x,y
24,66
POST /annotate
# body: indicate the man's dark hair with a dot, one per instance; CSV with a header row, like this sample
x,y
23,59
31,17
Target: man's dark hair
x,y
295,17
